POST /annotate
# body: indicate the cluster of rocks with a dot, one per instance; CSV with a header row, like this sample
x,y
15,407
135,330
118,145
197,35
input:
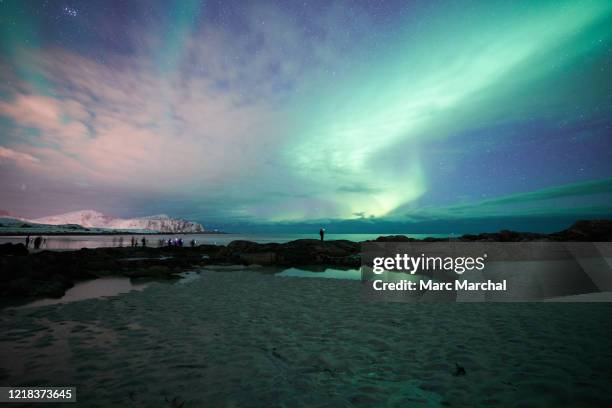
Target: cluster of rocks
x,y
50,273
581,231
299,252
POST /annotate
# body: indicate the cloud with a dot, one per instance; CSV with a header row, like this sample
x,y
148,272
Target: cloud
x,y
131,127
263,119
582,197
199,114
22,158
580,189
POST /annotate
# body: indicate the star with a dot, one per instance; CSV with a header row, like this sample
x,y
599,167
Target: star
x,y
70,12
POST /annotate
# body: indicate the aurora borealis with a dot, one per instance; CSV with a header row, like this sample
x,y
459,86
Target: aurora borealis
x,y
372,113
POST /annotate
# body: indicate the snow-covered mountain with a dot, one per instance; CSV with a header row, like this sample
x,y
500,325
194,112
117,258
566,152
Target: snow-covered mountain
x,y
14,225
85,218
95,219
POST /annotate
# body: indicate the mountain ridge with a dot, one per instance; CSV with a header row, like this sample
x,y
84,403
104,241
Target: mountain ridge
x,y
97,219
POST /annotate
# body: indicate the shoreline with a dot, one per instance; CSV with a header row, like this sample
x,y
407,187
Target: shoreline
x,y
50,273
81,233
596,230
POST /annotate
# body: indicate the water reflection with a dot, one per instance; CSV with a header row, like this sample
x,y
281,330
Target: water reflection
x,y
350,274
188,277
329,273
97,288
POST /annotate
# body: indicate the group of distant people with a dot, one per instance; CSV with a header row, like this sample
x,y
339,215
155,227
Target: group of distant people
x,y
134,242
37,242
41,241
178,242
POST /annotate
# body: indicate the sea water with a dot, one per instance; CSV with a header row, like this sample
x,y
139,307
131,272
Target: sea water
x,y
71,242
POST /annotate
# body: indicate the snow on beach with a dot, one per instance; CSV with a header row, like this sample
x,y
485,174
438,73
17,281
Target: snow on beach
x,y
243,338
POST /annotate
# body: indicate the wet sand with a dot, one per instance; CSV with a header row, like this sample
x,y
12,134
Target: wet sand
x,y
247,339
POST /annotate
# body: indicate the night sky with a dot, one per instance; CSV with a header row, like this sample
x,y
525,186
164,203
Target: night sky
x,y
365,116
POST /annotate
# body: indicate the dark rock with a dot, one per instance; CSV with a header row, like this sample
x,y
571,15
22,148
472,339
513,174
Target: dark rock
x,y
586,231
298,252
25,287
158,271
50,273
259,258
459,370
13,249
581,231
395,238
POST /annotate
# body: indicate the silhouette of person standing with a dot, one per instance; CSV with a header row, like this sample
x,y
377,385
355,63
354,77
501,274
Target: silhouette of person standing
x,y
322,233
144,241
37,242
27,241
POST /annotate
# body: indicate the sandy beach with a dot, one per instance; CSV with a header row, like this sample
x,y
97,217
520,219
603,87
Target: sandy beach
x,y
250,339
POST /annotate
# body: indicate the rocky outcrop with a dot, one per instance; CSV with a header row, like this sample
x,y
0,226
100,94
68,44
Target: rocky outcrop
x,y
581,231
299,252
49,273
586,231
505,236
13,250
